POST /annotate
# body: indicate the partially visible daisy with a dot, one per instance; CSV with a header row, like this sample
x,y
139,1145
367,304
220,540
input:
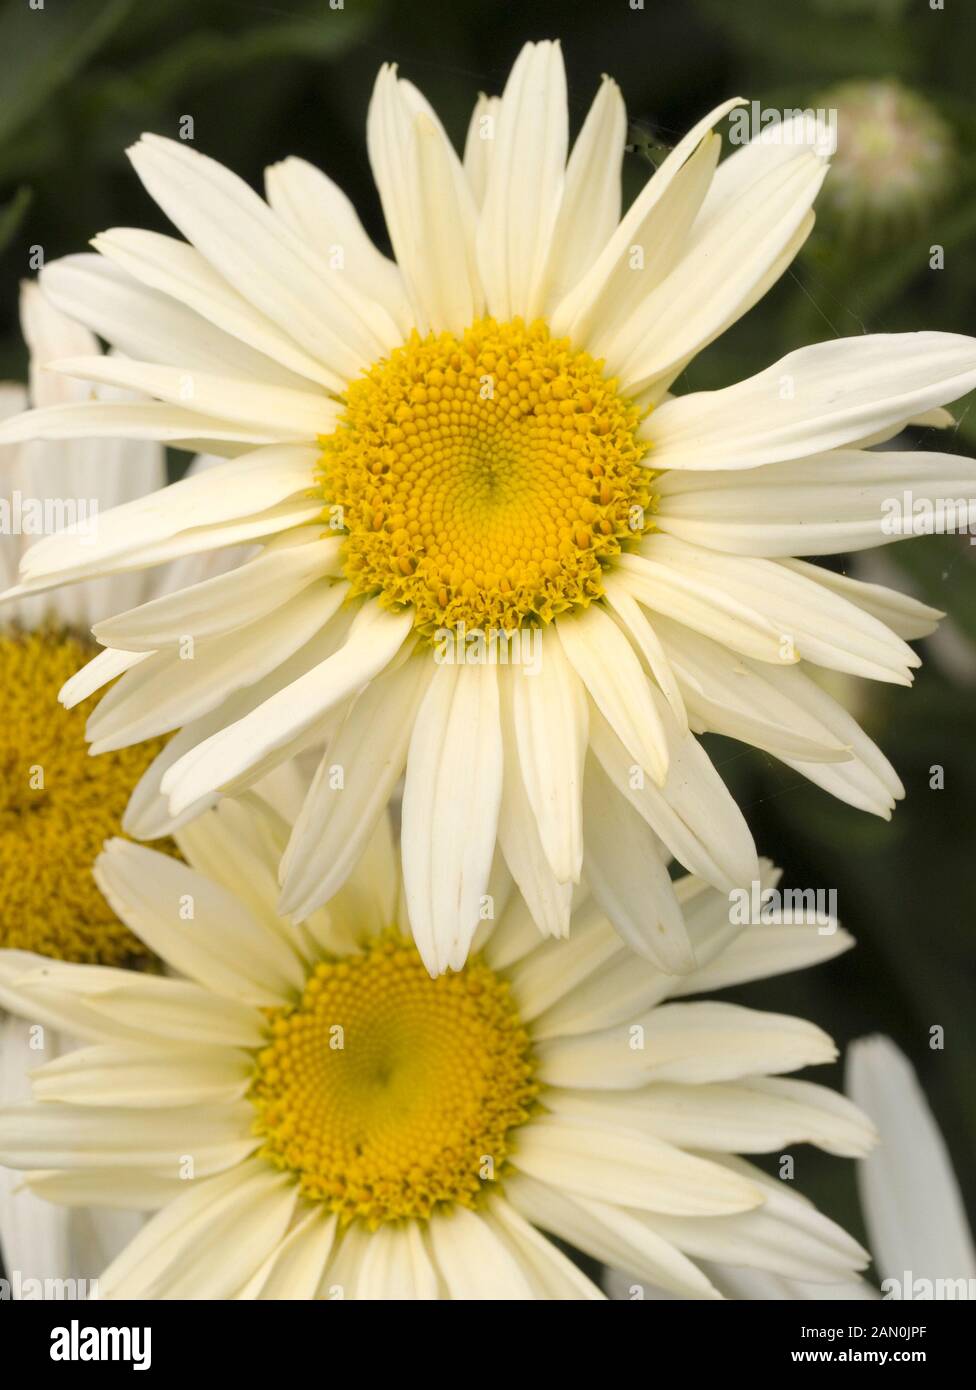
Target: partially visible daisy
x,y
917,1225
473,451
311,1114
894,157
57,804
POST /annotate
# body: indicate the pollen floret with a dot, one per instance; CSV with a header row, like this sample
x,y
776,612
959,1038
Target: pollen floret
x,y
486,479
388,1092
59,805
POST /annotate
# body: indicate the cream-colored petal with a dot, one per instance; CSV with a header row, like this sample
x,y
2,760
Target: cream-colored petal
x,y
145,1077
525,184
551,727
623,1167
625,869
451,801
607,665
196,926
352,785
912,1204
815,398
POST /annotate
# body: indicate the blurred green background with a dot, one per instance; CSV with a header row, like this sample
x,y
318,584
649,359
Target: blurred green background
x,y
80,79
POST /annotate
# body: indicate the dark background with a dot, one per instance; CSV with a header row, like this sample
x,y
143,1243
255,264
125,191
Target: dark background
x,y
80,79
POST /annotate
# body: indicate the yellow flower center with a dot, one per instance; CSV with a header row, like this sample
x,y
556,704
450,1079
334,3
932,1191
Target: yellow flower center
x,y
388,1092
57,807
485,479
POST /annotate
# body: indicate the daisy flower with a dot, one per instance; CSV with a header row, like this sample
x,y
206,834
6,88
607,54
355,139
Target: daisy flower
x,y
58,804
496,554
894,159
310,1113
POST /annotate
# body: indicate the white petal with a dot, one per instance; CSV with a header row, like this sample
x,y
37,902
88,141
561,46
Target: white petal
x,y
623,1167
608,1233
35,1235
103,1190
696,598
551,726
226,601
171,689
105,667
471,1259
479,144
794,1242
536,982
428,206
816,398
294,1268
606,664
628,613
53,1135
231,490
451,801
257,253
181,273
553,1276
839,501
628,878
146,1077
207,1242
336,819
284,413
396,1265
903,614
169,424
694,813
144,324
525,183
548,901
710,1041
590,208
657,221
911,1198
813,622
51,331
731,695
315,207
221,945
445,271
279,721
716,278
753,1115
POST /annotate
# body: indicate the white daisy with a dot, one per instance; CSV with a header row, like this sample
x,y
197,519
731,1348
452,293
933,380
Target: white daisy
x,y
480,437
915,1215
314,1115
58,804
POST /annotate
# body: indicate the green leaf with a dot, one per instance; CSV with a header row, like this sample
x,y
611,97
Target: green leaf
x,y
12,214
44,48
206,55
